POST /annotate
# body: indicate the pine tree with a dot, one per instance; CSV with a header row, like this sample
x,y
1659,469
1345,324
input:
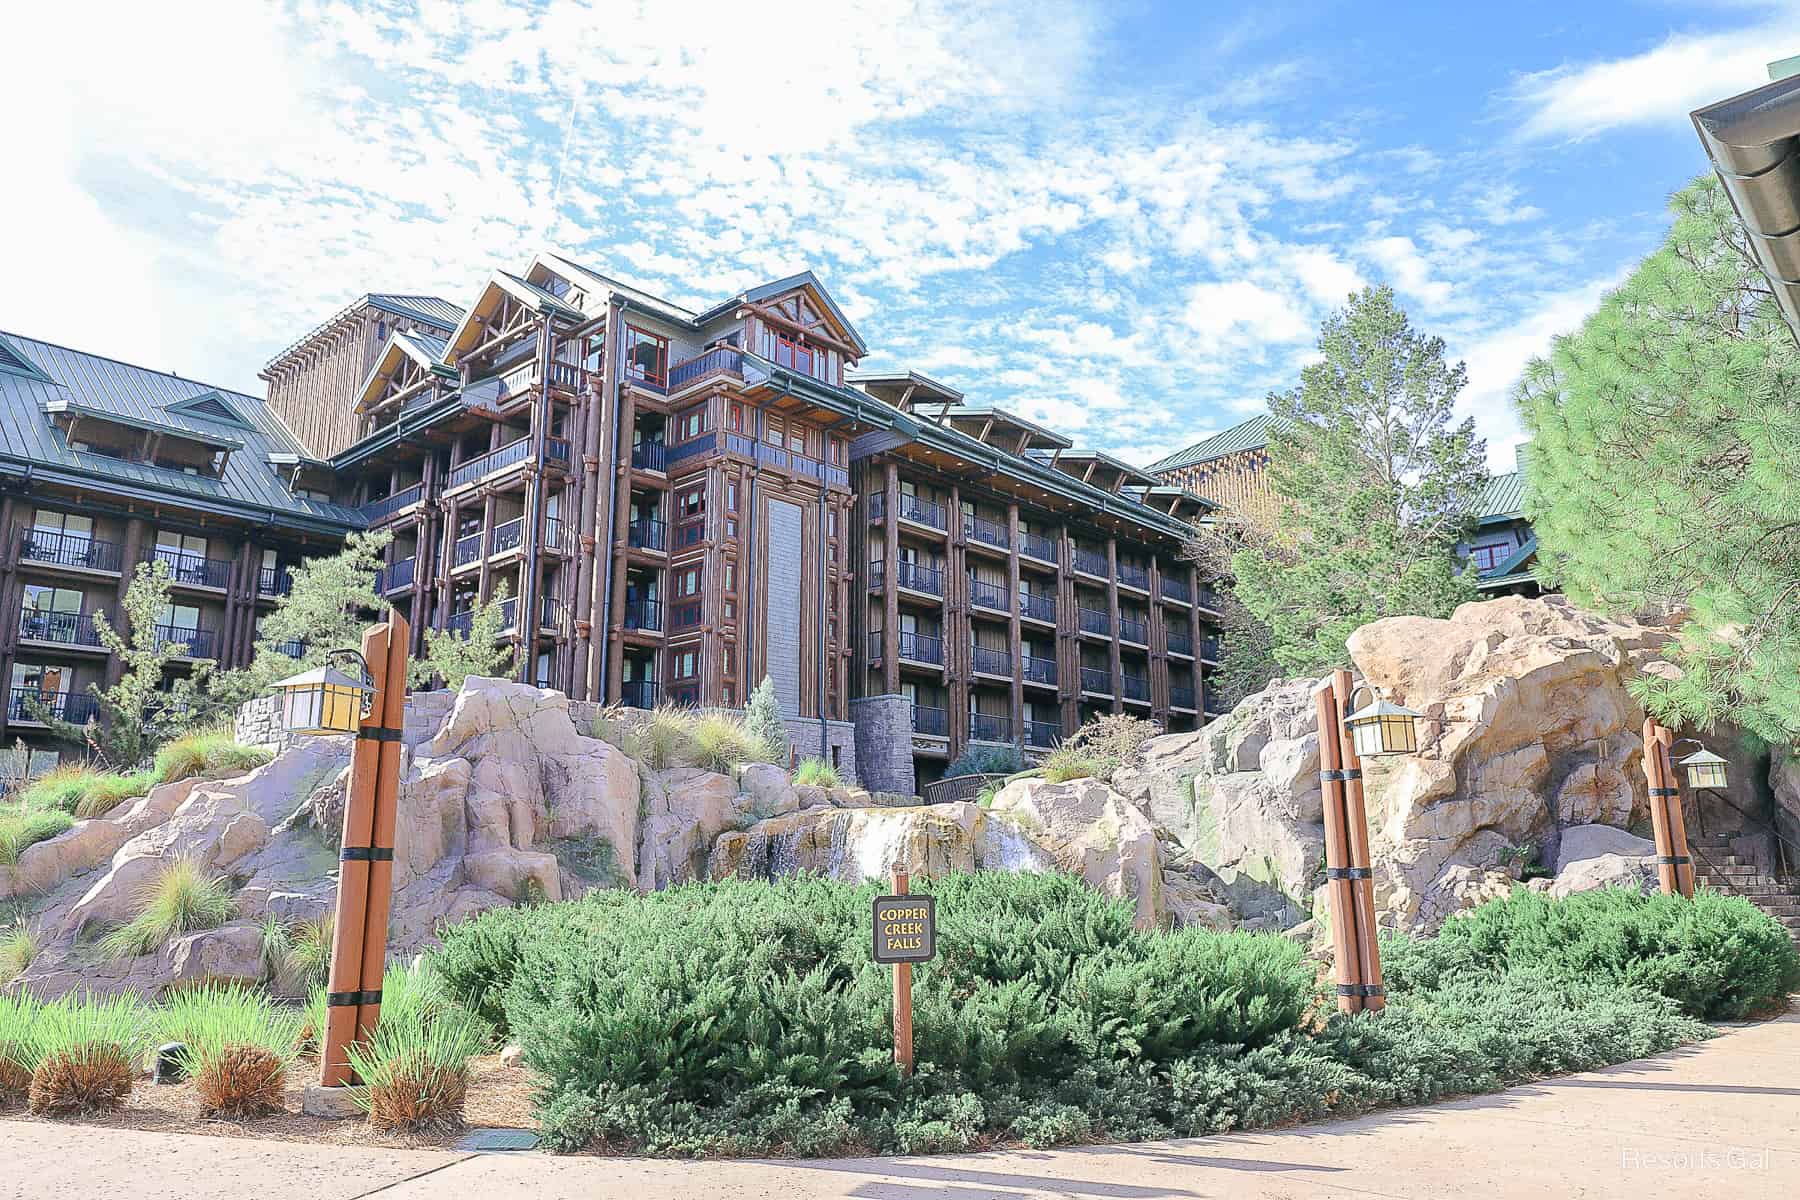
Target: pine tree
x,y
453,656
136,715
762,719
1374,483
1665,470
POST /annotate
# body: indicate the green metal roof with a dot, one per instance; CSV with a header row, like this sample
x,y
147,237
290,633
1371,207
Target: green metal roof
x,y
1503,499
1245,435
72,380
433,309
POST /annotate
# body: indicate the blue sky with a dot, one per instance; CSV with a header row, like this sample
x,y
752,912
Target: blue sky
x,y
1125,219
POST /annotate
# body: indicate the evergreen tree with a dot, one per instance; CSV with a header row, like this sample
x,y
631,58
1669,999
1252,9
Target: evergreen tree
x,y
453,657
1248,658
1374,483
762,720
136,715
1665,469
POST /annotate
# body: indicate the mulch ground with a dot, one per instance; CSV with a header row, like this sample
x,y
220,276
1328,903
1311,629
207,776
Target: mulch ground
x,y
499,1098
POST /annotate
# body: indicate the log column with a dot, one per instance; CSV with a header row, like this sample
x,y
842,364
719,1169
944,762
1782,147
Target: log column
x,y
1114,663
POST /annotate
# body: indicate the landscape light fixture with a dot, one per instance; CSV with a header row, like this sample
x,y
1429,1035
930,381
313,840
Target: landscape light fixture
x,y
327,700
1382,727
1706,770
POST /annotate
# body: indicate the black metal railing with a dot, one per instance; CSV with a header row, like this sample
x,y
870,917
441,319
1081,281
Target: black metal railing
x,y
1176,589
508,535
920,578
498,459
199,642
932,721
643,613
1212,649
1181,697
1133,576
1134,631
989,661
63,628
1038,546
1210,598
1097,680
1038,670
1042,735
922,647
376,511
648,533
195,570
68,550
980,529
559,535
460,623
1181,643
986,727
638,693
293,648
468,549
989,595
1038,608
925,512
556,450
1094,620
274,581
877,505
1090,562
396,575
719,358
650,456
74,707
1135,687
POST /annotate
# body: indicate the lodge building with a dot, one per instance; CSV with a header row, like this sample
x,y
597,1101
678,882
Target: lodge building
x,y
676,504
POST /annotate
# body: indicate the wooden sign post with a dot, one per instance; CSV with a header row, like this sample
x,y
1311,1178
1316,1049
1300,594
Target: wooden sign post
x,y
905,933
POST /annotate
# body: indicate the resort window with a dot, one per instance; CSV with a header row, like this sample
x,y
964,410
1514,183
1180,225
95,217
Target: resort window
x,y
1486,558
646,357
692,503
775,431
687,582
793,354
738,418
797,438
691,425
687,664
66,526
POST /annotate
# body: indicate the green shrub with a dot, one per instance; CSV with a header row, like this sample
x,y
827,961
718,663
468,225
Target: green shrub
x,y
20,829
718,742
665,739
1068,762
19,945
987,760
816,772
181,898
86,1053
21,1032
208,752
296,955
1716,956
762,719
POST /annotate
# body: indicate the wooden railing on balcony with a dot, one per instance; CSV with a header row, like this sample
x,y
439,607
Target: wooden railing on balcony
x,y
728,359
509,455
377,511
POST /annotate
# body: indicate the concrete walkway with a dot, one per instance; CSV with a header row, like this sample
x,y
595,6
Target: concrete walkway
x,y
1718,1120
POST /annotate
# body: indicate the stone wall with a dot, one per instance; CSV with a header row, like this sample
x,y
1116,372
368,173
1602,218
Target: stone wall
x,y
884,760
837,747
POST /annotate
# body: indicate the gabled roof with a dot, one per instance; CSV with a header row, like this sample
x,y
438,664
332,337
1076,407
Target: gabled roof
x,y
776,287
13,362
1245,435
72,381
210,406
1503,499
423,349
507,284
905,390
597,281
432,309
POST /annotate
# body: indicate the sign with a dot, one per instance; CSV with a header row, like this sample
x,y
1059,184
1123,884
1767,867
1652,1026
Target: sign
x,y
905,929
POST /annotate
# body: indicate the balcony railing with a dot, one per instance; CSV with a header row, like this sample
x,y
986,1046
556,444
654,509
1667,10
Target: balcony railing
x,y
934,722
925,512
1038,546
1181,697
1038,670
1136,687
556,450
293,648
922,647
1212,649
1210,598
274,581
63,628
719,358
988,661
68,550
74,707
1176,589
376,511
1038,608
1090,562
989,595
1097,680
1133,576
650,456
986,727
980,529
644,614
1042,735
648,533
916,576
638,693
559,535
509,455
1094,620
468,549
508,535
1181,643
460,623
1134,631
877,505
395,575
195,570
199,642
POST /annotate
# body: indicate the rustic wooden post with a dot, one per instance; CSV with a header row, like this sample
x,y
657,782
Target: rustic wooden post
x,y
1356,822
1678,841
388,718
1660,786
903,1014
1346,953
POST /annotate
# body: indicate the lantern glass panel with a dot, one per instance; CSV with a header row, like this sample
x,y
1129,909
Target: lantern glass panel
x,y
322,708
1706,775
1377,736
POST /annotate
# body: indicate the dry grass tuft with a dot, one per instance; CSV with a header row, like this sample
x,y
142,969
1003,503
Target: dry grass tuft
x,y
90,1078
419,1095
241,1081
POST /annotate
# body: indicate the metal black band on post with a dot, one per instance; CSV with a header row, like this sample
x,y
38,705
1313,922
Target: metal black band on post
x,y
1373,989
366,854
1339,776
1673,860
1349,989
1347,873
352,999
378,733
1665,791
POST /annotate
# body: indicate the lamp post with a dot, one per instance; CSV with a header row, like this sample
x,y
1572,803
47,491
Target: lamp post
x,y
1674,867
372,705
1345,739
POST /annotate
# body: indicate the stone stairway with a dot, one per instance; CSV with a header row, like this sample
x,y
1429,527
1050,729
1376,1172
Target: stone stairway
x,y
1716,867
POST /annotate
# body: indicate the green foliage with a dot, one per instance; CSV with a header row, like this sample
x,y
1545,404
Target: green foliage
x,y
180,898
662,741
816,772
19,945
86,792
1664,469
1101,746
24,827
762,717
208,752
207,1020
1067,762
453,657
79,1020
1374,483
987,760
415,1066
719,742
330,605
296,955
21,1032
1715,956
1247,662
135,714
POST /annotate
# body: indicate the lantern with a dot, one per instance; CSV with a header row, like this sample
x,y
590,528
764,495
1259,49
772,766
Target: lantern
x,y
323,700
1705,770
1383,727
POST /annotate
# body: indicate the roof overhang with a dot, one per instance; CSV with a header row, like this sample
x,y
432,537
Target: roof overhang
x,y
905,390
75,408
1754,142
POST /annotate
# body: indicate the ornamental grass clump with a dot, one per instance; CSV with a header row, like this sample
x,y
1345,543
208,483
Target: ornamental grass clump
x,y
1068,762
296,954
718,742
416,1067
816,772
20,1035
19,945
20,829
87,1054
207,752
665,740
181,898
238,1047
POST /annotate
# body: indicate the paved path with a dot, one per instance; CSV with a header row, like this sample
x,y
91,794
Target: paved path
x,y
1725,1117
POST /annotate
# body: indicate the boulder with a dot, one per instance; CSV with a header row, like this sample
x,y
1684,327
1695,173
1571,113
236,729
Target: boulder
x,y
685,809
1592,841
1091,831
227,954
